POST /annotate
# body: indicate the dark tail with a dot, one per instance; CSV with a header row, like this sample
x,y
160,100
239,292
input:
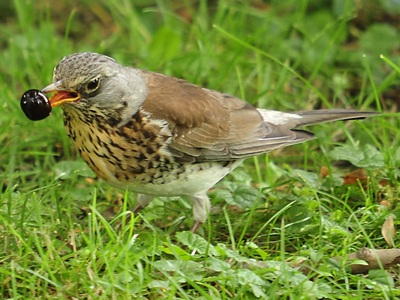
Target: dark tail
x,y
330,115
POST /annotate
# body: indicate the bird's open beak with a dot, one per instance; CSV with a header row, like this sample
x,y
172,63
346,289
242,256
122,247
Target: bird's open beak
x,y
60,95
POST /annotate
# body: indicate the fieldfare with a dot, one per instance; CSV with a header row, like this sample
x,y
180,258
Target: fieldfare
x,y
162,136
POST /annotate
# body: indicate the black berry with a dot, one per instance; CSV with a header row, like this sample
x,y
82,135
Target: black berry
x,y
35,105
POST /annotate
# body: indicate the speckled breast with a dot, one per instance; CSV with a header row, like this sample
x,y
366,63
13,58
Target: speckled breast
x,y
136,152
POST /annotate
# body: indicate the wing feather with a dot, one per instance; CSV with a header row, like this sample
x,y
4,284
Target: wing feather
x,y
207,125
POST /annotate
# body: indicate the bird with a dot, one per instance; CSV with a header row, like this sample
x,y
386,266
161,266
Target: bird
x,y
162,136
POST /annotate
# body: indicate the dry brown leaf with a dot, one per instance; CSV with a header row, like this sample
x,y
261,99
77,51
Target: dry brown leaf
x,y
388,231
323,172
375,258
356,176
386,203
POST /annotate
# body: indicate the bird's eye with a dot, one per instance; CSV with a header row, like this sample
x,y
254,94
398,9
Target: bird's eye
x,y
93,85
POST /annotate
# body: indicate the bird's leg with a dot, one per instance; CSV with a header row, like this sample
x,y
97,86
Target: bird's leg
x,y
137,209
201,208
142,202
196,225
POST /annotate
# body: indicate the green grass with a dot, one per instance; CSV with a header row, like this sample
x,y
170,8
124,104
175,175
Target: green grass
x,y
58,233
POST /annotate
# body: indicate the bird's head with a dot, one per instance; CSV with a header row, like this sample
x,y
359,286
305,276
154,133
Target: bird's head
x,y
91,82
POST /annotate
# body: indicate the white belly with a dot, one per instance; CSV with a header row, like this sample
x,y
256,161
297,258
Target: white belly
x,y
197,178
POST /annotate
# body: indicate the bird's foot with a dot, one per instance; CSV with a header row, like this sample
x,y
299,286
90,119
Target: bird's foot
x,y
137,209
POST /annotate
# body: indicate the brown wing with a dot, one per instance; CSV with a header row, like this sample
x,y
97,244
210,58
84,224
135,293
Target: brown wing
x,y
208,125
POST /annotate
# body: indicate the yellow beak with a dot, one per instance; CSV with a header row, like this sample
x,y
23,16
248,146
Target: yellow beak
x,y
59,95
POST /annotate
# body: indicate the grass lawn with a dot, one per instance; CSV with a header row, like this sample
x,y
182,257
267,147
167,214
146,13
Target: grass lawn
x,y
274,216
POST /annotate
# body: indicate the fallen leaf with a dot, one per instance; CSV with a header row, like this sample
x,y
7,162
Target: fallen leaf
x,y
388,231
386,203
358,175
324,172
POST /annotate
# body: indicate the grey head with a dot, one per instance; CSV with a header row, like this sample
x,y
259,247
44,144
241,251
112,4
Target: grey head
x,y
73,70
91,81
